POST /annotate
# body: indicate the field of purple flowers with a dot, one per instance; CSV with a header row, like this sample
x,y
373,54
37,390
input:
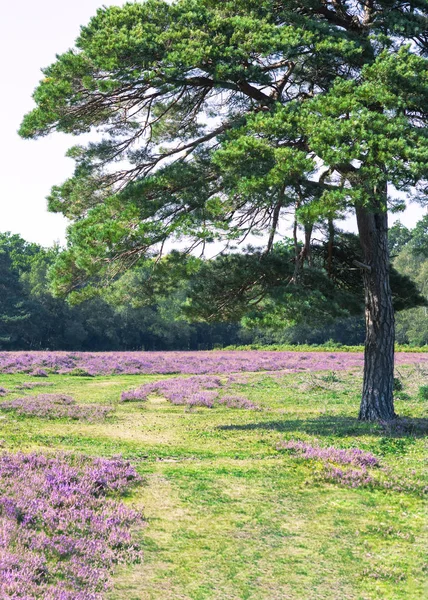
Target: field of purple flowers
x,y
63,526
40,364
200,390
56,406
288,493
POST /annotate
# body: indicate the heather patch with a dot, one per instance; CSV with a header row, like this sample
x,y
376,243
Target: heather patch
x,y
203,398
197,363
39,373
63,527
237,402
56,406
351,467
3,391
193,391
349,456
358,462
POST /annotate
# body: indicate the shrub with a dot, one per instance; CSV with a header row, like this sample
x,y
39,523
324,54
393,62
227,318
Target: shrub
x,y
423,392
398,384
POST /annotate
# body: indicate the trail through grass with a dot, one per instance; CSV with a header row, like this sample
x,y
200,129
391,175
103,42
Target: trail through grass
x,y
229,517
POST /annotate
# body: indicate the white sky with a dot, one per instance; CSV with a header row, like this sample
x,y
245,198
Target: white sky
x,y
32,33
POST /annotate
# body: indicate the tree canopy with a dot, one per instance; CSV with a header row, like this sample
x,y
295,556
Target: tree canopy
x,y
31,318
150,305
215,118
254,286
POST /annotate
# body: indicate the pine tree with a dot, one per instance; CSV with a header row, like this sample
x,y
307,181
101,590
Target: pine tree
x,y
14,306
218,116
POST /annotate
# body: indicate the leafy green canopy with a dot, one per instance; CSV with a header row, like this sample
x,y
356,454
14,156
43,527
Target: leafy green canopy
x,y
216,118
13,308
255,286
127,319
412,261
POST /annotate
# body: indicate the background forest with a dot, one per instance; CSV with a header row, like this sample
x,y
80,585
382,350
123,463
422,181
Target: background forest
x,y
141,312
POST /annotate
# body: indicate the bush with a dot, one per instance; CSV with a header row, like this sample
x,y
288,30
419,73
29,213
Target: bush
x,y
398,384
423,392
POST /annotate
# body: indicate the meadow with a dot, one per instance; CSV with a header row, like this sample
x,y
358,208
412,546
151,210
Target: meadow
x,y
208,476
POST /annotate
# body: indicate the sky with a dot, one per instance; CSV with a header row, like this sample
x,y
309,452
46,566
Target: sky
x,y
32,33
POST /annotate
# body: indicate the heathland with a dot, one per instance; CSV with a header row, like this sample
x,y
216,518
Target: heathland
x,y
219,475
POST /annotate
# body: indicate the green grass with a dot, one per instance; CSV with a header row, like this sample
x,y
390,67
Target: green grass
x,y
231,518
326,347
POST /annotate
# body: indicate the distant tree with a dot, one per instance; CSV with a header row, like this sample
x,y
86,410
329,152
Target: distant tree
x,y
218,117
419,238
412,261
31,317
14,306
21,252
398,236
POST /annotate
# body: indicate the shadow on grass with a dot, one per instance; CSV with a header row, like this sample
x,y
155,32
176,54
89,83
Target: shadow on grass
x,y
333,425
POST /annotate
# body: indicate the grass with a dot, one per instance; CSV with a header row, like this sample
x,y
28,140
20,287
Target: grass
x,y
229,517
326,347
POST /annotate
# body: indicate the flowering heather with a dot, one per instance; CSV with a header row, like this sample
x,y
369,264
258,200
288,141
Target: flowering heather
x,y
350,456
56,406
348,477
355,468
133,363
62,525
177,390
237,402
330,457
206,398
202,390
39,373
3,391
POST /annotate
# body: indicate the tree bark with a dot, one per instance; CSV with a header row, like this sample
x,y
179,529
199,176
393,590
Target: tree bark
x,y
377,403
307,253
330,247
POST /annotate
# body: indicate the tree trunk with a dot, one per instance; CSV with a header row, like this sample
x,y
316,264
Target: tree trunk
x,y
377,403
330,247
307,248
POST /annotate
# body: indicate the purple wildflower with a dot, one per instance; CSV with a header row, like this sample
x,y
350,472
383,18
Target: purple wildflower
x,y
202,399
349,456
197,363
238,402
56,406
331,457
61,531
348,477
200,390
39,373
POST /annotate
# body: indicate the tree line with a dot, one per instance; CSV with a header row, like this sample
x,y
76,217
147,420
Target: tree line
x,y
33,318
153,307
